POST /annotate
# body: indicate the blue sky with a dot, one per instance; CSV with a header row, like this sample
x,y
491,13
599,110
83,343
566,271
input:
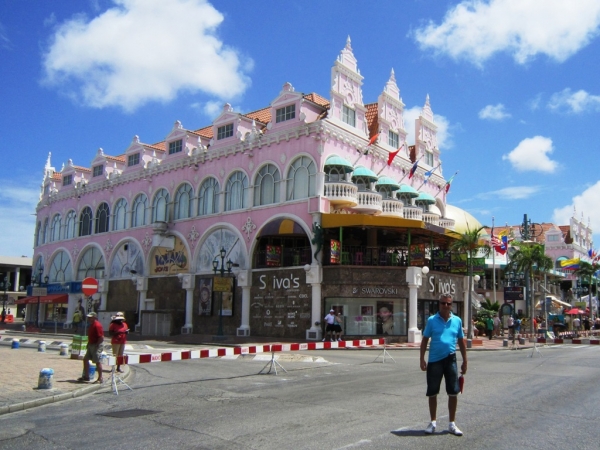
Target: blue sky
x,y
513,84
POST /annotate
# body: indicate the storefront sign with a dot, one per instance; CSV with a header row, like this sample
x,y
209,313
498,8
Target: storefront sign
x,y
166,262
441,285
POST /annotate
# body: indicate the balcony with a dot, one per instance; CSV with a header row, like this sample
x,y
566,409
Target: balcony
x,y
392,208
341,193
369,202
447,223
432,218
413,213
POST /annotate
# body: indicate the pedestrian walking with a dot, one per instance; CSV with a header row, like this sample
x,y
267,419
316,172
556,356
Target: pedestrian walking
x,y
444,329
339,320
497,323
489,328
94,348
329,325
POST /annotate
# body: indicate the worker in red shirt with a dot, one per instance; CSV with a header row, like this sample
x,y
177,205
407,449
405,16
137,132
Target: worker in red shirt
x,y
94,348
118,330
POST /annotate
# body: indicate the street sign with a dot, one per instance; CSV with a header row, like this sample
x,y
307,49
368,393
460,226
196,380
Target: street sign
x,y
89,286
39,292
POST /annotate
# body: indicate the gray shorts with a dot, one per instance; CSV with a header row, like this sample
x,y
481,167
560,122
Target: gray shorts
x,y
93,353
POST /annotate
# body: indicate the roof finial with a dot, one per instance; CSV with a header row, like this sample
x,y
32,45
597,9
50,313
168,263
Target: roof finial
x,y
348,46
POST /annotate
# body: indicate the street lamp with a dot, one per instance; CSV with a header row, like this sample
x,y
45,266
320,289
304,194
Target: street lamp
x,y
5,284
225,268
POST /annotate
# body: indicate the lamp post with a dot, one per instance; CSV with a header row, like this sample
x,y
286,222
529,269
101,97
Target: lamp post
x,y
225,268
5,284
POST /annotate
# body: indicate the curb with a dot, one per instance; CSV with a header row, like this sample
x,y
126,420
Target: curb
x,y
15,407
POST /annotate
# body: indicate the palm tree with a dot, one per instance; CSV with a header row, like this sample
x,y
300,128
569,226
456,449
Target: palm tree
x,y
530,258
587,271
470,244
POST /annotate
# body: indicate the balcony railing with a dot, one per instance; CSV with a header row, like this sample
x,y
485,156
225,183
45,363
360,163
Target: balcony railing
x,y
412,213
392,208
369,202
432,218
447,223
341,193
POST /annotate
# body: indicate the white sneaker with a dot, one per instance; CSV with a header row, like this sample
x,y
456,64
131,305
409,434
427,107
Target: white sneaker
x,y
323,340
452,428
430,428
339,339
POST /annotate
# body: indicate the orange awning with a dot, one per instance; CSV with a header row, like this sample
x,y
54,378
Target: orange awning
x,y
58,298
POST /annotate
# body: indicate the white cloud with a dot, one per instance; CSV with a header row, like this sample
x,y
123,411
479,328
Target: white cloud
x,y
16,220
574,102
444,136
511,193
585,203
144,50
532,155
494,112
476,29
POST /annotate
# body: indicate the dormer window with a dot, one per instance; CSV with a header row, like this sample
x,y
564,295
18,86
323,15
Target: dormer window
x,y
393,139
286,113
67,180
175,146
225,131
98,170
348,116
552,237
429,158
133,160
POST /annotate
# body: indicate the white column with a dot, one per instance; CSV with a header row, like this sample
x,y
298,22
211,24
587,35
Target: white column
x,y
141,287
244,280
188,283
414,278
314,277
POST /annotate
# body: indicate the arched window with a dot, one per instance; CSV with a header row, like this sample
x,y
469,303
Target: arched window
x,y
235,191
335,174
183,201
91,264
160,205
85,221
266,186
70,222
102,218
208,197
60,269
46,232
138,211
120,215
55,228
38,233
302,179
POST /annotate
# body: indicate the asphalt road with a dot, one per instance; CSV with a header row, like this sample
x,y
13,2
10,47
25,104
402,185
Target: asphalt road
x,y
352,400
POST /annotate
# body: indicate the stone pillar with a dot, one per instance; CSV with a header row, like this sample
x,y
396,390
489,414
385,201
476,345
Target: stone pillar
x,y
414,278
314,277
244,280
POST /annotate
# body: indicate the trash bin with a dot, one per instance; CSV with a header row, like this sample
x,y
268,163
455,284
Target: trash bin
x,y
79,347
15,343
45,379
64,348
92,372
42,346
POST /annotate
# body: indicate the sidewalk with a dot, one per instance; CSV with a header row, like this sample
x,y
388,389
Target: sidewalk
x,y
21,367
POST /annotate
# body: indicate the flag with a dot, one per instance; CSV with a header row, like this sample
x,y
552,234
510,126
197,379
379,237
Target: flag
x,y
499,243
449,182
392,155
413,169
570,264
373,139
429,173
592,253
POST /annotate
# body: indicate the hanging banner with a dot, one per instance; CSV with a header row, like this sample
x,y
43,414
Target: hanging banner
x,y
417,255
273,256
441,260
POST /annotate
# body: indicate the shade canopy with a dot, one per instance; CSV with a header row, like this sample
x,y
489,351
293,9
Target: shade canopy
x,y
362,171
426,198
387,182
407,190
340,163
281,227
58,298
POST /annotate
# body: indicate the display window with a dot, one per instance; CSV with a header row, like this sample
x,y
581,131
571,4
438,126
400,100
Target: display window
x,y
368,316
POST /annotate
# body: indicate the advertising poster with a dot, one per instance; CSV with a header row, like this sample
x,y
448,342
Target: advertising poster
x,y
273,256
226,307
335,252
417,255
385,318
204,307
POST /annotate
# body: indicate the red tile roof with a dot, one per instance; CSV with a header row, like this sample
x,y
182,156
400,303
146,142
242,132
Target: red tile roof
x,y
372,118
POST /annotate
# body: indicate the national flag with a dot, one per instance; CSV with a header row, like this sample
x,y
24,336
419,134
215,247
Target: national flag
x,y
449,182
429,173
413,169
373,139
392,155
498,243
592,253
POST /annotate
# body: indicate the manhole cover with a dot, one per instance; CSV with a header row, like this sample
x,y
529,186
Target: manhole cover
x,y
129,413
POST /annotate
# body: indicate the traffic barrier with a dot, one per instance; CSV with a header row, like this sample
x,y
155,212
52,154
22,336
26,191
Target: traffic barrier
x,y
233,351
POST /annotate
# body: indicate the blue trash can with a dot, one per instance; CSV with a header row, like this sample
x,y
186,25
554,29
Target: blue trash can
x,y
92,371
45,379
15,343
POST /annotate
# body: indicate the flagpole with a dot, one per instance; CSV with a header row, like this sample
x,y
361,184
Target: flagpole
x,y
395,154
425,181
447,182
493,263
407,173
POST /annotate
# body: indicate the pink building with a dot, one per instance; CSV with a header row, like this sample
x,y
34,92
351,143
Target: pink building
x,y
303,198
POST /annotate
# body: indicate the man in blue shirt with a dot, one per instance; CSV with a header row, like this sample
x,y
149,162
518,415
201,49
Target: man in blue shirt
x,y
444,330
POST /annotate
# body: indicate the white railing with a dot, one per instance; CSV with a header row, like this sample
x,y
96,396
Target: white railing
x,y
341,193
447,223
369,202
392,208
432,218
413,213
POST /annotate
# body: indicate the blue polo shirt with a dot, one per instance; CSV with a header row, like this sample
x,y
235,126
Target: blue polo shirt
x,y
443,335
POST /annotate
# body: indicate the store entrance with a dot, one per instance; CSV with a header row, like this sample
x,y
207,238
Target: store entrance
x,y
427,308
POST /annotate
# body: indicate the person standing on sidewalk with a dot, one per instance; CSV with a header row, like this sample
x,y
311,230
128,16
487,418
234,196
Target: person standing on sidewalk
x,y
330,325
489,328
497,323
94,348
118,330
444,330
